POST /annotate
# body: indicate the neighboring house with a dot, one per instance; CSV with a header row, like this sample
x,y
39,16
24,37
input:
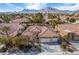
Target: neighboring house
x,y
24,19
13,28
63,18
45,35
77,19
72,30
17,17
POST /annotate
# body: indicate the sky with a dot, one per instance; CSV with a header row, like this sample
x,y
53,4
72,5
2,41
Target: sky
x,y
6,7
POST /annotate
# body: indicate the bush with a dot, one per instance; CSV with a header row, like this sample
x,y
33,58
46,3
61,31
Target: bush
x,y
71,20
22,43
3,49
63,46
24,48
5,18
18,40
70,50
3,39
38,48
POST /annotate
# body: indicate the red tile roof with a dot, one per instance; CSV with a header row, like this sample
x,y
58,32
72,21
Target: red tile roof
x,y
43,31
13,28
71,27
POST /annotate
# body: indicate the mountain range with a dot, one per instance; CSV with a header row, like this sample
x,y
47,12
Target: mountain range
x,y
47,9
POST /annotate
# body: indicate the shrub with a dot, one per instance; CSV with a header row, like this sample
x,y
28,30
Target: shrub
x,y
3,49
70,50
20,40
38,18
63,46
38,48
25,47
23,43
3,39
5,18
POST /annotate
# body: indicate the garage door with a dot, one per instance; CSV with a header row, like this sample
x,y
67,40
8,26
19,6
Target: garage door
x,y
48,39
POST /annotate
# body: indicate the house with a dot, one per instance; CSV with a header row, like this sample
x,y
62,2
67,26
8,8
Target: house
x,y
72,30
24,19
13,28
44,34
77,19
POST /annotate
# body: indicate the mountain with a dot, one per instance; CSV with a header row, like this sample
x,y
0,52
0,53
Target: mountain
x,y
50,10
28,11
77,11
47,9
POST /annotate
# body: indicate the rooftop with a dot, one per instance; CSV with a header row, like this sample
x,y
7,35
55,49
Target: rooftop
x,y
42,30
13,27
70,28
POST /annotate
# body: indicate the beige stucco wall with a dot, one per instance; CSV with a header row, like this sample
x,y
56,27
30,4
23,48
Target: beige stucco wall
x,y
77,21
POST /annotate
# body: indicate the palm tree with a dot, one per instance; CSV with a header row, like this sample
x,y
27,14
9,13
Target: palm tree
x,y
54,23
36,40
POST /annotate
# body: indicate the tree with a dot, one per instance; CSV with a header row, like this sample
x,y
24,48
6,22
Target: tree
x,y
54,23
3,39
37,18
24,43
71,20
58,17
5,18
51,16
5,29
36,40
18,40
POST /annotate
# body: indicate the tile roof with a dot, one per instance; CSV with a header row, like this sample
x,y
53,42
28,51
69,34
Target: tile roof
x,y
71,27
43,31
13,27
20,20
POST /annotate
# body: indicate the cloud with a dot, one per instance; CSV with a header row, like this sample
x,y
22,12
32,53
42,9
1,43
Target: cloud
x,y
64,6
35,5
61,6
14,6
2,10
71,7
